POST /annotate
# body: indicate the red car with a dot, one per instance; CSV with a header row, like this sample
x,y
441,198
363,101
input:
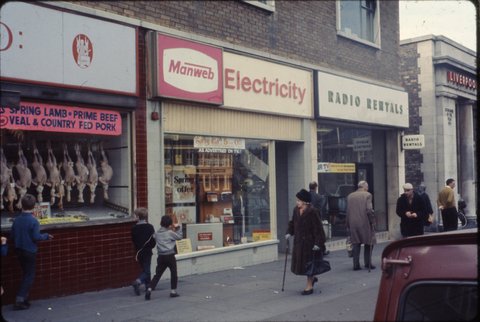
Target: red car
x,y
430,278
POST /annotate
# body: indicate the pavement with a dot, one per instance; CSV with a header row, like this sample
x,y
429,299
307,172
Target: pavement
x,y
251,293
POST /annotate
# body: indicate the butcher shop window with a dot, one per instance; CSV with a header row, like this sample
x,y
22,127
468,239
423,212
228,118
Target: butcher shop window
x,y
76,177
220,181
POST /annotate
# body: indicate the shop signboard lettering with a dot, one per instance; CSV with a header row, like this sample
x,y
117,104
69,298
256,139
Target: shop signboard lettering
x,y
329,167
80,51
362,144
205,236
59,118
412,142
218,143
258,85
188,70
352,100
461,80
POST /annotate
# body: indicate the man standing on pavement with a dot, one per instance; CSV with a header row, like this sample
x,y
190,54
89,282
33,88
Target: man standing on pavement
x,y
26,232
412,211
317,204
361,224
446,204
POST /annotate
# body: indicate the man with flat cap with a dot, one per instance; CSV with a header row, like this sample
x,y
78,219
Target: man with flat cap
x,y
412,211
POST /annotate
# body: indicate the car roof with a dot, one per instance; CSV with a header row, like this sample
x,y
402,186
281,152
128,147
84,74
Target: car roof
x,y
464,236
444,255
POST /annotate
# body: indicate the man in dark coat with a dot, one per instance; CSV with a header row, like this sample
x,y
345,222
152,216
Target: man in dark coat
x,y
309,237
361,224
412,212
421,190
317,204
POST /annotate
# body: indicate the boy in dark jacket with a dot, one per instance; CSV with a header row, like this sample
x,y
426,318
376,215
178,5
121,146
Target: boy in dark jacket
x,y
142,237
26,233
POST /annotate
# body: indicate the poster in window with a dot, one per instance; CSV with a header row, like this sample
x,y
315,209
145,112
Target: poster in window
x,y
185,214
183,185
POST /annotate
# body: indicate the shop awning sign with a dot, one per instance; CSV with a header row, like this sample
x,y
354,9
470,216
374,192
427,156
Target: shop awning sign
x,y
59,118
330,167
187,70
412,142
362,144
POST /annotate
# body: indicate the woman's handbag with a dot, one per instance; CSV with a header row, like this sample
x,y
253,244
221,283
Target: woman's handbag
x,y
349,246
317,265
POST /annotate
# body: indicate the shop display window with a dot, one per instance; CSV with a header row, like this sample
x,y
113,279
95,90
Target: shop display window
x,y
211,180
76,177
347,155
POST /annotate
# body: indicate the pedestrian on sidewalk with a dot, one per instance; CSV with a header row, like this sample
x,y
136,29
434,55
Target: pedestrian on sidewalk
x,y
309,237
25,233
317,204
166,238
446,204
421,190
412,212
360,223
144,241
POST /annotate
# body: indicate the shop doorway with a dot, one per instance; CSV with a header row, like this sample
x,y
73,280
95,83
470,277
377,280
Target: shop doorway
x,y
334,189
365,173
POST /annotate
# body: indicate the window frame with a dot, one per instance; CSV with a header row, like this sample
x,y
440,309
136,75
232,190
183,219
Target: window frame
x,y
376,43
268,5
404,299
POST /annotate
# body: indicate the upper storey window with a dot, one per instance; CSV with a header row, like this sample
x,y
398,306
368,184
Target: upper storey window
x,y
268,5
359,20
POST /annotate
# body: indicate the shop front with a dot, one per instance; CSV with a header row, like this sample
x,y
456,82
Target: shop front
x,y
217,139
358,131
445,112
66,138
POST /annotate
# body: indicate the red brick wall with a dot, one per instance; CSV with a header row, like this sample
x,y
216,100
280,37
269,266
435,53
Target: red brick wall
x,y
409,74
77,260
300,30
140,179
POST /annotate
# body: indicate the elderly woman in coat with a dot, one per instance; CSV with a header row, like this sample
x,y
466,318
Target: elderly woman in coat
x,y
361,224
309,237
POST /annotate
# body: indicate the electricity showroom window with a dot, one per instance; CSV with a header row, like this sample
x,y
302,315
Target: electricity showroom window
x,y
220,181
359,20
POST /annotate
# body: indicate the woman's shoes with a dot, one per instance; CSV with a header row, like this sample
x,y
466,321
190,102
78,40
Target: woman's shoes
x,y
307,292
314,281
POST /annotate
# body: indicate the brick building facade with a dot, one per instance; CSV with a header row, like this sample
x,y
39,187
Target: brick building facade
x,y
303,37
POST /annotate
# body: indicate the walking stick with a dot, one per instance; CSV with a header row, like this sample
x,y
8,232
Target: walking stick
x,y
285,266
371,249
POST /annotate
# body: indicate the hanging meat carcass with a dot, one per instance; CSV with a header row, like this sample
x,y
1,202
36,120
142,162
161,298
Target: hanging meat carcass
x,y
92,181
7,183
54,178
25,176
69,173
82,173
107,172
40,173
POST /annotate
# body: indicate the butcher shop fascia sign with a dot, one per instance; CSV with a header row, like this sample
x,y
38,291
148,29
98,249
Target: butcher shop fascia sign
x,y
59,118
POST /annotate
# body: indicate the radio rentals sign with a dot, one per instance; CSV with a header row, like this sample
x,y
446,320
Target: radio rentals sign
x,y
187,70
412,142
